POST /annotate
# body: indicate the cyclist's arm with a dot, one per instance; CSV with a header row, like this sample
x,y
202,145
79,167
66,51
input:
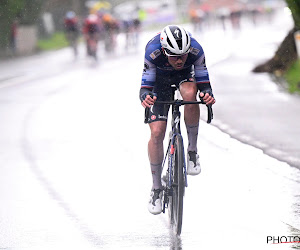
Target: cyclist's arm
x,y
202,80
201,74
148,81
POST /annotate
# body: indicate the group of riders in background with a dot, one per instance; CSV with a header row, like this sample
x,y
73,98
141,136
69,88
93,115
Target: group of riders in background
x,y
105,27
100,27
230,18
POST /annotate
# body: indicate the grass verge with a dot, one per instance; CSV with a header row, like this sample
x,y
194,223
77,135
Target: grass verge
x,y
56,41
292,77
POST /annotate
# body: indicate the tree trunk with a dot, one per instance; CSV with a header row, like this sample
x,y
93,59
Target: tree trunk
x,y
285,55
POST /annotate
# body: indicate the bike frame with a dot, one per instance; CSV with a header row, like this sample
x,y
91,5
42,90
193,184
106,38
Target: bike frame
x,y
176,131
175,135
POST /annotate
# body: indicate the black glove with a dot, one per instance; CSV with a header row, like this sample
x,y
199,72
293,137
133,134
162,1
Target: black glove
x,y
144,93
209,91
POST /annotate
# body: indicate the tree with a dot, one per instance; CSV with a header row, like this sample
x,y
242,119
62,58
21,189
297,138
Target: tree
x,y
29,15
8,12
294,6
26,11
286,53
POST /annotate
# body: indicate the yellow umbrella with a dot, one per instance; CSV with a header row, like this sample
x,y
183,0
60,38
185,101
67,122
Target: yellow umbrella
x,y
100,5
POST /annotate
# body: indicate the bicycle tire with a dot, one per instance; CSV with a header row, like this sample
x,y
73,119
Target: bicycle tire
x,y
178,186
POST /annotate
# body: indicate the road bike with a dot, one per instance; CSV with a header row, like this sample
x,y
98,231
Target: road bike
x,y
175,180
72,37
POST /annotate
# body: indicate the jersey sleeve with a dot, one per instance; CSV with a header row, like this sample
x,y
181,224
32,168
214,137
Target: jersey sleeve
x,y
149,75
152,52
201,73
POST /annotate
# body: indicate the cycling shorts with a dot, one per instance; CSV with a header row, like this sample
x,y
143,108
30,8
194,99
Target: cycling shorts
x,y
164,92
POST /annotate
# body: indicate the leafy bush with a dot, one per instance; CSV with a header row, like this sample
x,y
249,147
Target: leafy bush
x,y
292,77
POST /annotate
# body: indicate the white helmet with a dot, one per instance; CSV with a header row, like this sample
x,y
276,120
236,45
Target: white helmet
x,y
175,40
70,15
92,18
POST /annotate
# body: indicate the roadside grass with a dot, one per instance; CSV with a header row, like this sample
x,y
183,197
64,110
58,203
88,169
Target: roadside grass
x,y
56,41
292,77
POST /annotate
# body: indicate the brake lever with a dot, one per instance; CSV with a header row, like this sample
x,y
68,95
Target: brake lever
x,y
210,114
147,110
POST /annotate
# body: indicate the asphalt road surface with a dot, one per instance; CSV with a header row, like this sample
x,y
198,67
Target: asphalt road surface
x,y
74,171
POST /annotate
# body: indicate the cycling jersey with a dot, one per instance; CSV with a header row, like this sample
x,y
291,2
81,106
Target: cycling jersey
x,y
156,63
71,25
159,75
163,92
91,28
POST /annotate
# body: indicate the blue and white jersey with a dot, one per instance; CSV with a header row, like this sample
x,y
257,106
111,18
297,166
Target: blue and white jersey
x,y
156,62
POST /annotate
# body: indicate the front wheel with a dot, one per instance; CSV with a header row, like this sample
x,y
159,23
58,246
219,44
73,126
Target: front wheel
x,y
178,185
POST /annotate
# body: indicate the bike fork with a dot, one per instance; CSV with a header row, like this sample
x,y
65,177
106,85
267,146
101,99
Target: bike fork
x,y
184,165
184,162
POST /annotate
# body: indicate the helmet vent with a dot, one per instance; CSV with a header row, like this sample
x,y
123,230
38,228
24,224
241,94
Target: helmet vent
x,y
179,43
169,42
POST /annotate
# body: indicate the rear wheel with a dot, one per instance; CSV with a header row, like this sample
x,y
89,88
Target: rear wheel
x,y
176,200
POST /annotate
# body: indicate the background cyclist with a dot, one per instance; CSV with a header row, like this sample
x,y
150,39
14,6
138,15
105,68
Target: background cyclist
x,y
172,57
72,30
91,31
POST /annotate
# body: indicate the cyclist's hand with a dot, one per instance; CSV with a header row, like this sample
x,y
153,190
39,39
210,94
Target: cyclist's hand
x,y
207,97
148,101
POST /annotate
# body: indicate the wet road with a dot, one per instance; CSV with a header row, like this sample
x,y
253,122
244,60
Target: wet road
x,y
74,170
255,108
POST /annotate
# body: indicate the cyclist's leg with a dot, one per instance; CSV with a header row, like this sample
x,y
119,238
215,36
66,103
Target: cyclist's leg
x,y
188,92
73,42
87,43
156,151
76,38
157,119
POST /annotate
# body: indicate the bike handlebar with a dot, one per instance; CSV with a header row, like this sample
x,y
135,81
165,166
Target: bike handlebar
x,y
179,102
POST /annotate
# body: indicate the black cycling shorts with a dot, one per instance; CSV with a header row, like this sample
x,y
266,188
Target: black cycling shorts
x,y
164,92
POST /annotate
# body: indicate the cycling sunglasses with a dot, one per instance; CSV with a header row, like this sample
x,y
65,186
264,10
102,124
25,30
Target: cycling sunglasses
x,y
170,54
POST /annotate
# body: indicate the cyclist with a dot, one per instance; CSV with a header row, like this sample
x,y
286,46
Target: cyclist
x,y
172,57
91,32
111,27
72,29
